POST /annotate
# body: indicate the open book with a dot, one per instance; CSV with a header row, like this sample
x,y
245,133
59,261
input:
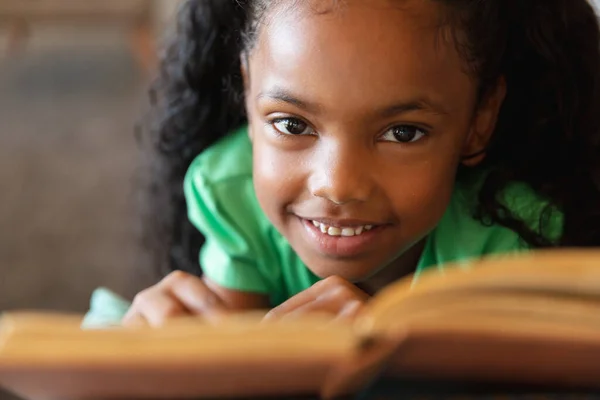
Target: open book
x,y
521,319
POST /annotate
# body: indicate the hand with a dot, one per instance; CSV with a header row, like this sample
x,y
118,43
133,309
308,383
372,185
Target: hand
x,y
333,295
177,295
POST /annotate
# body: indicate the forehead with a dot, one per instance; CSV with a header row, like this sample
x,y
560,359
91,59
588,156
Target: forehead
x,y
359,48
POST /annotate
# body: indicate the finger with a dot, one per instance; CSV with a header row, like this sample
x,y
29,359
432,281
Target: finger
x,y
134,319
350,311
297,302
321,305
194,295
156,306
333,304
307,296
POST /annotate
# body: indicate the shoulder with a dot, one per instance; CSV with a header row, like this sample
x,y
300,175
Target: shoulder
x,y
219,190
533,209
218,187
238,253
460,235
518,198
230,158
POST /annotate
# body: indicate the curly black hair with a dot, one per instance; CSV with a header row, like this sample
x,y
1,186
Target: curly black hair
x,y
547,136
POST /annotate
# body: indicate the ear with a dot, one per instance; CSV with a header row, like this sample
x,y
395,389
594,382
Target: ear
x,y
484,124
245,71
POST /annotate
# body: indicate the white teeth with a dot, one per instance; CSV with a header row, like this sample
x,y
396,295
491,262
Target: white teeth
x,y
341,231
333,231
348,232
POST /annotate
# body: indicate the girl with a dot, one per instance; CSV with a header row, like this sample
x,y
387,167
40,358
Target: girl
x,y
332,147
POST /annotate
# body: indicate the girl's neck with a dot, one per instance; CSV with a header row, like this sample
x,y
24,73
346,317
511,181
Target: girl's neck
x,y
399,268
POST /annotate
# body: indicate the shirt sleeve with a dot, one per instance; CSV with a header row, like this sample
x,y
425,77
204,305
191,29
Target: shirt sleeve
x,y
226,212
106,309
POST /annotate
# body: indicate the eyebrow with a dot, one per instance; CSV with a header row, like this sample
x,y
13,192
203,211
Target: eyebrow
x,y
281,95
419,104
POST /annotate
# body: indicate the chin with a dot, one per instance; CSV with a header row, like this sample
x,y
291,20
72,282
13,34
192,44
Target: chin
x,y
344,269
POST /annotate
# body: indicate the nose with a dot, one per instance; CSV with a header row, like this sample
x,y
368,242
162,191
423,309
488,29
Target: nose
x,y
341,174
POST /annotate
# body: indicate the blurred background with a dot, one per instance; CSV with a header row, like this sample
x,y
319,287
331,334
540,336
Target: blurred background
x,y
73,79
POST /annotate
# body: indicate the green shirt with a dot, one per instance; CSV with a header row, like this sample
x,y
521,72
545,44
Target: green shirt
x,y
243,250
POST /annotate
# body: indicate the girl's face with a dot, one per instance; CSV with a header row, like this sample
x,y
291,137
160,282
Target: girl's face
x,y
359,117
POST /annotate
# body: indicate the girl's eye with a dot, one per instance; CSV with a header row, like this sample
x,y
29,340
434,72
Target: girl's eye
x,y
404,134
292,126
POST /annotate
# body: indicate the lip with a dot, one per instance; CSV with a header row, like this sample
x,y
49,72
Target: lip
x,y
343,223
340,246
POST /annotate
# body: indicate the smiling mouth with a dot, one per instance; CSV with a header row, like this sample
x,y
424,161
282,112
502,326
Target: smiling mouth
x,y
345,231
342,238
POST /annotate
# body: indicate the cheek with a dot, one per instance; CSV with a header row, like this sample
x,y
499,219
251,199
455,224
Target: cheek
x,y
278,178
422,193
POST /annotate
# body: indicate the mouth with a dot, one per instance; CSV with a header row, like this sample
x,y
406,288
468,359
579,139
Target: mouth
x,y
334,230
341,239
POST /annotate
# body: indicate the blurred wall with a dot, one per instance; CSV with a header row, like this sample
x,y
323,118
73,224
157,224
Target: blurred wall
x,y
69,98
